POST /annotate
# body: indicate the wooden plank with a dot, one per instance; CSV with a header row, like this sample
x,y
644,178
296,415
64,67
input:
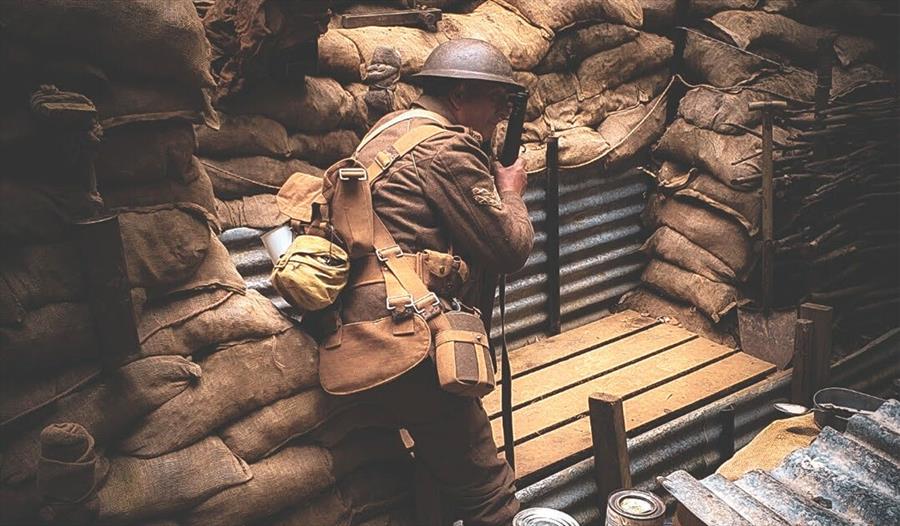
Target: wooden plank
x,y
576,340
605,358
654,406
623,383
612,467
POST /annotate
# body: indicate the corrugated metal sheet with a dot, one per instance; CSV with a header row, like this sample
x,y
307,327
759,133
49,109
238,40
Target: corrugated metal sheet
x,y
690,442
600,234
841,478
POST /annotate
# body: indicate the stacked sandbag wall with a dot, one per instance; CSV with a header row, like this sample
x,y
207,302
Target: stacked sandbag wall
x,y
705,216
217,416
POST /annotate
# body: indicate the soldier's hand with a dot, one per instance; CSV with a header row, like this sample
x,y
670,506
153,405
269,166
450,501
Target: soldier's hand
x,y
511,178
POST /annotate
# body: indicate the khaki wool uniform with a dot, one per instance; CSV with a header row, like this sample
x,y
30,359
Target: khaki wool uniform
x,y
441,196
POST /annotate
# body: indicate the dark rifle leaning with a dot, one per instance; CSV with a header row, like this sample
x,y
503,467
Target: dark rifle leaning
x,y
508,156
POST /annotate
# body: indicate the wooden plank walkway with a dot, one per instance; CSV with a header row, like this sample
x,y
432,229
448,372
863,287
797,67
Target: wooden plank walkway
x,y
661,372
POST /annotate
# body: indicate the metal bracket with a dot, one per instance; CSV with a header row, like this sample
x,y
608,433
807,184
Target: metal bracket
x,y
425,19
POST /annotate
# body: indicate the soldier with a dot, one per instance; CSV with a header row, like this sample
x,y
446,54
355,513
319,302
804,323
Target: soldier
x,y
448,197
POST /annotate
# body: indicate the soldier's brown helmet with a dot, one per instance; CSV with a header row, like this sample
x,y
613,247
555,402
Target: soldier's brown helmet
x,y
469,58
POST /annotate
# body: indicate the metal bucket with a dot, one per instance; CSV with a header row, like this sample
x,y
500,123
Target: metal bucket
x,y
543,517
277,241
632,507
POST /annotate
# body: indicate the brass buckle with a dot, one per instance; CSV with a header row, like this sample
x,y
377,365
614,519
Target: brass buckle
x,y
346,174
388,252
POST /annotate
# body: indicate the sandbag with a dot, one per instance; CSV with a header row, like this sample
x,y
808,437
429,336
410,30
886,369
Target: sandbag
x,y
163,245
32,276
672,176
140,488
659,15
669,245
52,336
570,47
253,211
753,29
553,15
168,37
744,207
327,509
40,213
217,271
324,149
69,468
630,131
194,323
198,191
343,53
720,235
719,64
145,152
522,42
292,475
264,431
577,111
649,303
712,298
278,366
22,395
106,409
721,111
724,156
851,49
242,176
608,69
704,8
126,101
320,105
243,135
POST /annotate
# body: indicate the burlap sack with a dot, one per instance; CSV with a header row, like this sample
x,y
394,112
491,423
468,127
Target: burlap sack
x,y
327,509
649,303
253,211
704,8
712,298
237,379
851,49
630,131
721,111
69,469
243,135
106,409
164,245
50,337
727,157
146,152
320,105
576,111
720,235
217,271
719,64
21,395
198,192
126,101
32,276
553,15
512,34
240,176
669,245
753,29
292,475
572,46
343,53
744,207
324,149
659,15
673,176
608,69
168,38
38,213
194,323
143,488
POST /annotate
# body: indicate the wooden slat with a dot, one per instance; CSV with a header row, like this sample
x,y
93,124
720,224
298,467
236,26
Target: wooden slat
x,y
605,358
652,407
576,340
622,383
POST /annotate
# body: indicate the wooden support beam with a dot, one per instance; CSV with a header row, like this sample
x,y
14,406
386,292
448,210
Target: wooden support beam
x,y
726,439
803,377
612,469
822,317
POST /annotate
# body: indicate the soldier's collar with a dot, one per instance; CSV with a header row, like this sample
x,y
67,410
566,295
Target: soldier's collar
x,y
427,102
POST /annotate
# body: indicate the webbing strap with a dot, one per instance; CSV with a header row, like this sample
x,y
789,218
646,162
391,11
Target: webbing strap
x,y
409,140
506,414
416,113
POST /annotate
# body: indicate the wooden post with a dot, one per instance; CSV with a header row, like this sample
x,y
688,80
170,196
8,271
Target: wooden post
x,y
726,439
612,469
554,313
822,317
803,381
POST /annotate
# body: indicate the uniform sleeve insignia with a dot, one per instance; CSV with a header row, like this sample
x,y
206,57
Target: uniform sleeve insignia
x,y
485,197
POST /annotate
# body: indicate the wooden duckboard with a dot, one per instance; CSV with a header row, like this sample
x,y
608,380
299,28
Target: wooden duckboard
x,y
661,371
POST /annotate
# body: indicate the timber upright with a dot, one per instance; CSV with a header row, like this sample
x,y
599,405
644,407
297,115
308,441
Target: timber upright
x,y
407,333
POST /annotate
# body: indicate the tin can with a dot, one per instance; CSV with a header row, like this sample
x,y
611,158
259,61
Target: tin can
x,y
543,517
632,507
